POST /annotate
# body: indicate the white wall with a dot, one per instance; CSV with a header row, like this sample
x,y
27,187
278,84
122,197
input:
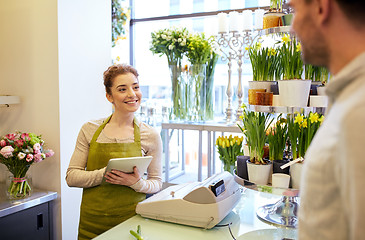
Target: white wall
x,y
53,54
84,38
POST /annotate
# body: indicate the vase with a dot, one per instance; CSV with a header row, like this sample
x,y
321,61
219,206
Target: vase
x,y
259,174
196,92
229,168
18,187
294,93
242,166
178,99
209,99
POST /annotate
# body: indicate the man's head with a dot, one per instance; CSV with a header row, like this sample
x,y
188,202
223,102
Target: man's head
x,y
316,21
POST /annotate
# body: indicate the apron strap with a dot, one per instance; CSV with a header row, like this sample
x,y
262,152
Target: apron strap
x,y
98,131
137,135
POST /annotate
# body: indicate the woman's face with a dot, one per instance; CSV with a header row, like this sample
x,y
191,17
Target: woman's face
x,y
125,93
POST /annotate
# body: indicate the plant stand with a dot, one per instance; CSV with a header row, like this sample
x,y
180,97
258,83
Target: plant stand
x,y
282,213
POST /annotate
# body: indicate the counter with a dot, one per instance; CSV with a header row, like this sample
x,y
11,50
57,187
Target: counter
x,y
243,221
31,216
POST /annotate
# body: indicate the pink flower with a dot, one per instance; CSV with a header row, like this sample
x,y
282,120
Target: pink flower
x,y
2,143
7,151
11,136
49,153
29,157
25,136
37,147
21,155
38,157
19,142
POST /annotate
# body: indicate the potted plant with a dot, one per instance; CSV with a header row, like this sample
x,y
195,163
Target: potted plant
x,y
293,90
301,130
229,148
265,64
254,127
319,77
277,138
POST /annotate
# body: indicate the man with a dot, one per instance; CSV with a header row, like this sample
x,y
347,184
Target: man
x,y
332,33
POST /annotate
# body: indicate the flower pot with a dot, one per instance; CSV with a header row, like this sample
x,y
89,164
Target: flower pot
x,y
242,166
318,101
252,95
287,19
261,85
264,98
258,174
274,88
321,91
294,93
277,164
18,187
295,174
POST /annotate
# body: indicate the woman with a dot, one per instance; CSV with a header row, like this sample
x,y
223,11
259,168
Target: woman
x,y
110,202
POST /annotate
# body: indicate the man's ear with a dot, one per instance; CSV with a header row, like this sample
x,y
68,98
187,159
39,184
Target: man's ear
x,y
323,9
109,97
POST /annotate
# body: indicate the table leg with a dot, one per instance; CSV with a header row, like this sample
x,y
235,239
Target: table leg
x,y
213,165
209,153
200,158
167,155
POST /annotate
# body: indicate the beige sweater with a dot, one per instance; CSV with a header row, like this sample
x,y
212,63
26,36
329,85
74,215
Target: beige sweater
x,y
151,144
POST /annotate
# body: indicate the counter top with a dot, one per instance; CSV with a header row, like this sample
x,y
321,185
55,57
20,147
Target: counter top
x,y
38,197
243,222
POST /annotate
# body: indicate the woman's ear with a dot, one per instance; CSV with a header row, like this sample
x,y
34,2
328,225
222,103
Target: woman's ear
x,y
109,97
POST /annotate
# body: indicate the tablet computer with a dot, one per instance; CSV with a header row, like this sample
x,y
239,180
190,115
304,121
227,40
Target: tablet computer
x,y
127,164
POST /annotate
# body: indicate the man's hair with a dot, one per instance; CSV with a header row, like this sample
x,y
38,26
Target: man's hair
x,y
353,9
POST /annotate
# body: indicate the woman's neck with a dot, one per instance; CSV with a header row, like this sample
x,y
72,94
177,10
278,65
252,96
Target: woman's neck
x,y
122,119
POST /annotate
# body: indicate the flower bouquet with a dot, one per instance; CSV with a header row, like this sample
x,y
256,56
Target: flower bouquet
x,y
173,43
18,152
229,148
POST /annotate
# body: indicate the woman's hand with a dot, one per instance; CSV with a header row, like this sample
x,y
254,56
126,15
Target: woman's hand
x,y
122,178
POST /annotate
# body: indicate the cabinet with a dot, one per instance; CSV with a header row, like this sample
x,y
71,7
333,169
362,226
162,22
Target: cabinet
x,y
29,218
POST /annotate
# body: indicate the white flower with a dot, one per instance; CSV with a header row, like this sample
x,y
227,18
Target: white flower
x,y
163,36
21,155
171,46
179,40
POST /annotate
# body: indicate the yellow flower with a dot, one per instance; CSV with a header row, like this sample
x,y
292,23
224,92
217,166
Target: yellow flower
x,y
223,144
227,143
313,117
258,46
247,48
299,47
286,38
271,52
305,123
118,58
299,119
321,119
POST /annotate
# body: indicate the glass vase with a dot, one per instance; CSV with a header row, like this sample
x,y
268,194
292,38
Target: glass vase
x,y
196,92
209,99
18,187
229,168
178,94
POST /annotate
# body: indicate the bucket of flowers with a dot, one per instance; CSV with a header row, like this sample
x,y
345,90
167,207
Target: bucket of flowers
x,y
18,151
229,148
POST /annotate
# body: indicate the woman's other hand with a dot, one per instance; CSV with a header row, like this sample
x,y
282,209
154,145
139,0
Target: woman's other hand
x,y
122,178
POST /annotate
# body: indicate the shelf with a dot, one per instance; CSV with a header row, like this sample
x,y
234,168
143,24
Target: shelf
x,y
283,29
7,100
286,110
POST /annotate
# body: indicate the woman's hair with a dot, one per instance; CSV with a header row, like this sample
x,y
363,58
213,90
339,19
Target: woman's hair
x,y
114,71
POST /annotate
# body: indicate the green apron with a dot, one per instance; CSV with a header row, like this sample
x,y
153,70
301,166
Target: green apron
x,y
107,205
